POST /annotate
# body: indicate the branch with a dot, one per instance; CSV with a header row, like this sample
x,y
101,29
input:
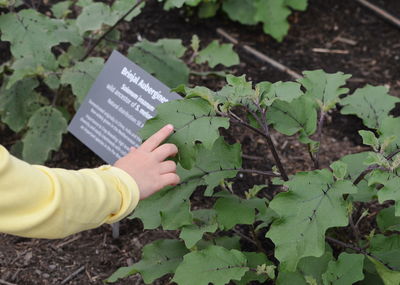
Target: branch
x,y
139,2
382,13
359,250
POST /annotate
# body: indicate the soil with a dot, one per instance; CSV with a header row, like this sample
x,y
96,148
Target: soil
x,y
371,53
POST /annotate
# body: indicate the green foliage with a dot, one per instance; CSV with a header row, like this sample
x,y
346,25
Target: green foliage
x,y
214,264
215,54
272,14
310,209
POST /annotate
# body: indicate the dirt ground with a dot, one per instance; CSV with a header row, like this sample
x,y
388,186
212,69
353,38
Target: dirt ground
x,y
370,51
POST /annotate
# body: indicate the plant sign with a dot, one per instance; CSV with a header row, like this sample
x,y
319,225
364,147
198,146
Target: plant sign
x,y
121,100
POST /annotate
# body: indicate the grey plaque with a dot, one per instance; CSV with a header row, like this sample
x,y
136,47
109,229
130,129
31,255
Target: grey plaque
x,y
120,101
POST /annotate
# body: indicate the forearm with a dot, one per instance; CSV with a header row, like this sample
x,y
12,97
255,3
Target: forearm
x,y
37,201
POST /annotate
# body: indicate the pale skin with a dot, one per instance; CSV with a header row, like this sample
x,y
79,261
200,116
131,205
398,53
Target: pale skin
x,y
148,166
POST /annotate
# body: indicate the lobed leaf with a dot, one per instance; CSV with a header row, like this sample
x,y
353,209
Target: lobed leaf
x,y
347,270
299,115
172,204
204,221
194,120
387,249
371,104
390,189
389,277
242,11
92,17
324,87
81,76
273,14
216,54
390,130
284,91
214,264
312,204
387,221
19,103
159,258
46,127
254,259
161,59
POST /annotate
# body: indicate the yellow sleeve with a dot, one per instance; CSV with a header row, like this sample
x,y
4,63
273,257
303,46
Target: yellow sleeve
x,y
42,202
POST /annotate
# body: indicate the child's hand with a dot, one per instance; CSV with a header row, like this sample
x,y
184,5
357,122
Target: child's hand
x,y
147,166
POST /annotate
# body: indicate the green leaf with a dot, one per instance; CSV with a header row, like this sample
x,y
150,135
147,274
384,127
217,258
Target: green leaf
x,y
216,53
300,5
204,222
172,204
242,11
387,249
46,127
232,210
92,17
61,9
371,104
284,91
273,14
179,3
388,276
120,7
32,35
161,59
370,139
18,103
215,265
208,9
254,259
387,221
82,75
238,91
159,258
347,270
355,166
339,169
390,189
195,43
390,130
121,273
299,115
194,121
224,241
324,87
313,204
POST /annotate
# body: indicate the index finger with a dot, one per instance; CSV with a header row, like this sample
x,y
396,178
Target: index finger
x,y
155,140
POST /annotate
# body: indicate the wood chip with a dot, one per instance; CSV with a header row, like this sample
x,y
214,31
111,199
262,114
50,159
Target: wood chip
x,y
325,50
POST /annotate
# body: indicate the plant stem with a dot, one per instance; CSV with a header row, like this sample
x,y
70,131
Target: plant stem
x,y
354,228
319,138
271,144
139,2
358,249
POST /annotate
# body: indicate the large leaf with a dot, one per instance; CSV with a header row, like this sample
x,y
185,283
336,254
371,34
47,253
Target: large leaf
x,y
371,104
170,207
46,127
324,87
387,221
32,35
179,3
389,277
92,17
313,204
390,189
300,5
194,120
215,265
18,103
204,221
310,266
347,270
284,91
82,75
355,166
299,115
242,11
161,59
216,54
273,13
159,258
387,249
232,210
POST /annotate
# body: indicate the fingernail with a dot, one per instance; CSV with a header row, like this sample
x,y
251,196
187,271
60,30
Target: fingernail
x,y
170,127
